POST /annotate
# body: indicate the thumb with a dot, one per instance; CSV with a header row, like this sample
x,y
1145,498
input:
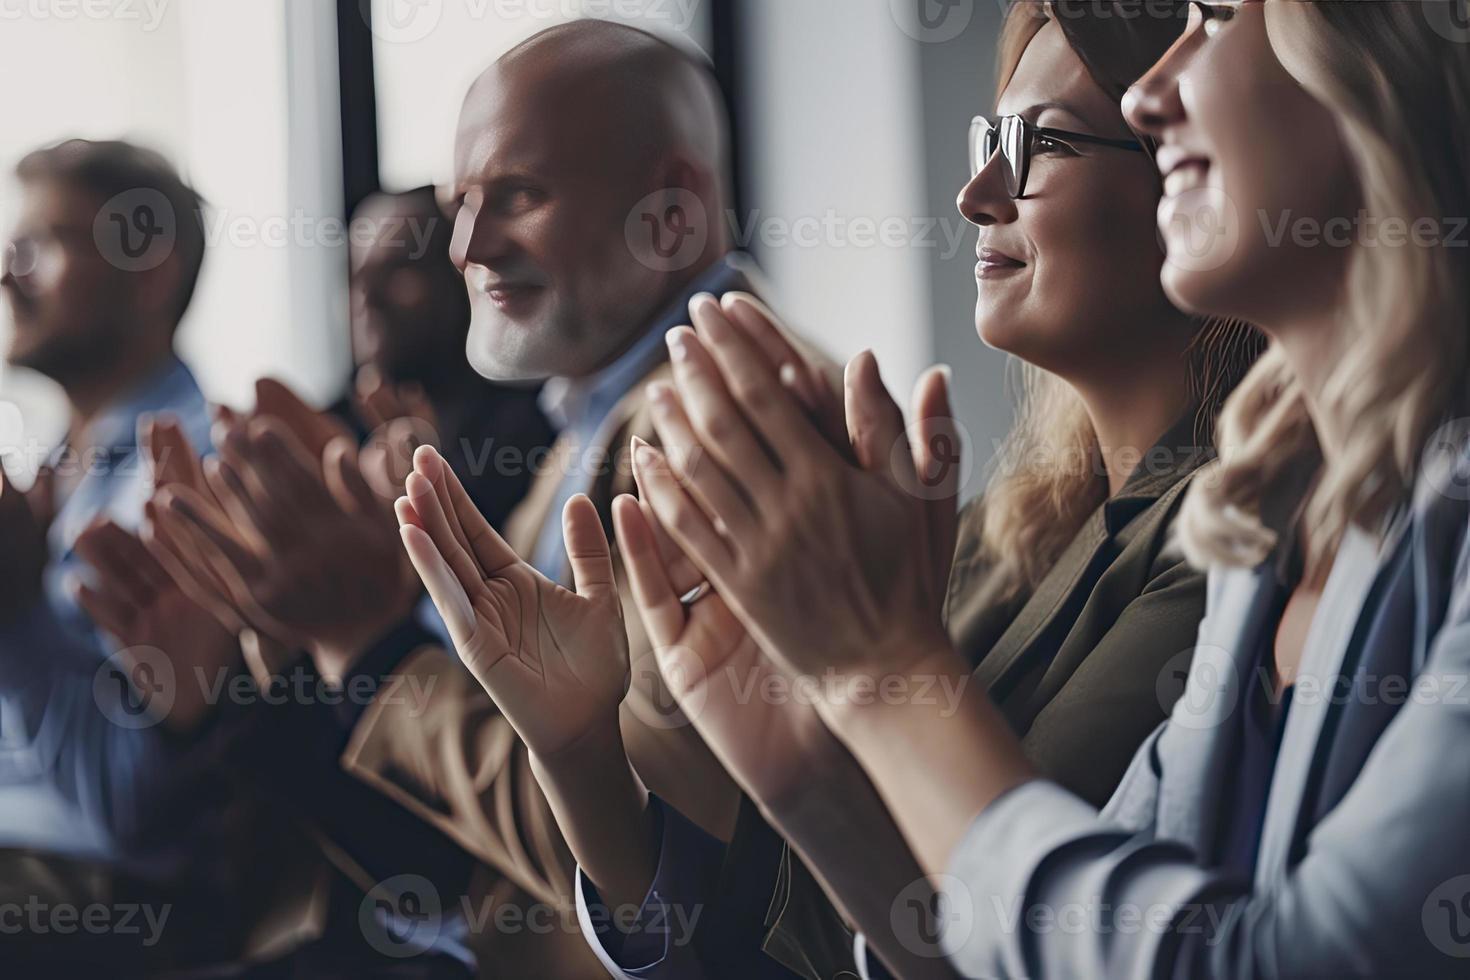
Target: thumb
x,y
938,469
587,549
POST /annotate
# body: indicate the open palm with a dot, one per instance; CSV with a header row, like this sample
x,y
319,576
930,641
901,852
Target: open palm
x,y
555,661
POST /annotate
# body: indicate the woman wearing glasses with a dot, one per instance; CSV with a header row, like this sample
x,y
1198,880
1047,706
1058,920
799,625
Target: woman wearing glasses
x,y
1302,814
1061,596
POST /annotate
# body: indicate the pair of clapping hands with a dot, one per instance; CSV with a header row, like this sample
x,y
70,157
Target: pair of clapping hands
x,y
826,531
286,533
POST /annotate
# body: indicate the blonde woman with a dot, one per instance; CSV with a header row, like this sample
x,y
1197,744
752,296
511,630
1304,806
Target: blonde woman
x,y
1061,597
1302,814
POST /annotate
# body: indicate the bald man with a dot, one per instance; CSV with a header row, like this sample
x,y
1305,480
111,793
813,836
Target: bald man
x,y
589,189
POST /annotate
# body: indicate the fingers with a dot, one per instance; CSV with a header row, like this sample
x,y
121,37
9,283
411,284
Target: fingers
x,y
190,571
485,543
274,399
716,420
345,481
442,583
874,421
817,382
107,611
755,386
115,556
433,467
697,469
182,510
431,519
683,574
679,514
198,532
588,552
171,458
247,503
292,462
657,600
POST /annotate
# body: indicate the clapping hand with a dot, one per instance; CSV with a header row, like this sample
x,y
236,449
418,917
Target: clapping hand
x,y
832,564
554,660
133,598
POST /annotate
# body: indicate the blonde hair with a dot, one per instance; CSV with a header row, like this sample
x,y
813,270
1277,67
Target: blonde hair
x,y
1048,476
1401,92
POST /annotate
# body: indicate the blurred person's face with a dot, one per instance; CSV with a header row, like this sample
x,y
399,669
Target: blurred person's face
x,y
546,183
409,317
1069,273
71,308
1243,148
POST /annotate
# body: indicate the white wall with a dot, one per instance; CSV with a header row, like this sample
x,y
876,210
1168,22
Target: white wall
x,y
215,86
857,113
427,52
831,140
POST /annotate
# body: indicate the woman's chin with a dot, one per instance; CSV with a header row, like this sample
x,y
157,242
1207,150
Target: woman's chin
x,y
1001,332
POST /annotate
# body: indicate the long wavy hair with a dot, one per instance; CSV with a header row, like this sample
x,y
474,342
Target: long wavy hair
x,y
1399,84
1048,478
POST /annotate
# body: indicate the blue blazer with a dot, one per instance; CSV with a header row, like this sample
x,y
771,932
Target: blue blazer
x,y
1363,868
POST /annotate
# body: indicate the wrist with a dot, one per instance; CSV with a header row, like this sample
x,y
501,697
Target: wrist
x,y
932,679
597,749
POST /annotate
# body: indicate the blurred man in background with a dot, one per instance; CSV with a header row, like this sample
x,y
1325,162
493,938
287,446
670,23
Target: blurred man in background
x,y
410,319
98,273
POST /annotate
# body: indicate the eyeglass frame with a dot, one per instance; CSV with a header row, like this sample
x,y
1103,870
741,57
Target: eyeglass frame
x,y
1029,132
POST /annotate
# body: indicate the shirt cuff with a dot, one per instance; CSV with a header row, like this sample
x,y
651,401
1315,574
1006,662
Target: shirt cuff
x,y
657,941
994,861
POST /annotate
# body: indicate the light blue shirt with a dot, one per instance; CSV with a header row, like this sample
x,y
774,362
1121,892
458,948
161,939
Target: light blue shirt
x,y
68,774
582,407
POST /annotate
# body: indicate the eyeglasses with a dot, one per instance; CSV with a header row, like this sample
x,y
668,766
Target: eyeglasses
x,y
1017,139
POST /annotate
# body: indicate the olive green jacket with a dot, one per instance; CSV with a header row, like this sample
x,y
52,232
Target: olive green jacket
x,y
1084,667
